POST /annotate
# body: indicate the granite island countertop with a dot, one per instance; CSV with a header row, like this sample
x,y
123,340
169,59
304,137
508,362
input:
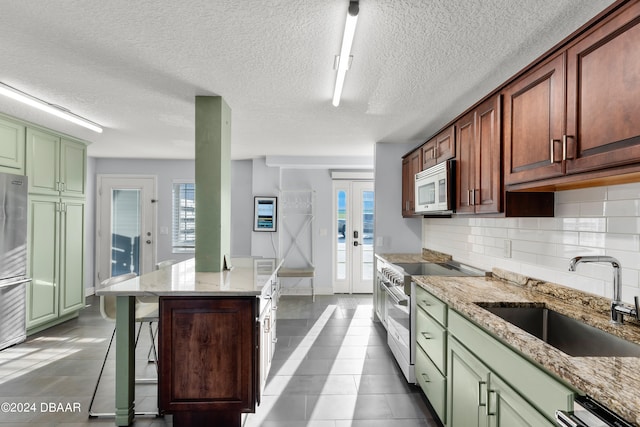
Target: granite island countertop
x,y
247,278
614,381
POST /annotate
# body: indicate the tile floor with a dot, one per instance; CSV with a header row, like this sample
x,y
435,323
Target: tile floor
x,y
331,368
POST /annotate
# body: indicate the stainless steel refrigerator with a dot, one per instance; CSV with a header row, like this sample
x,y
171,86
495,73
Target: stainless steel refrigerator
x,y
13,258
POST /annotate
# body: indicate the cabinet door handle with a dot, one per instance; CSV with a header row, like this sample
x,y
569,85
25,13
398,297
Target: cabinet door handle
x,y
427,335
426,378
469,197
426,303
473,198
492,407
481,385
552,151
566,147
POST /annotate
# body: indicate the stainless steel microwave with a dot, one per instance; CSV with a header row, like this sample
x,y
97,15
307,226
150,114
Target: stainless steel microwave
x,y
435,189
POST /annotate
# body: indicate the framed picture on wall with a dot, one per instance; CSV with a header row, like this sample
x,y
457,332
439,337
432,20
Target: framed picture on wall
x,y
265,213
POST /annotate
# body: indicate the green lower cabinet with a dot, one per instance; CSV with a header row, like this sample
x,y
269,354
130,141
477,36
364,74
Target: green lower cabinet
x,y
71,256
42,293
507,408
56,261
544,392
467,383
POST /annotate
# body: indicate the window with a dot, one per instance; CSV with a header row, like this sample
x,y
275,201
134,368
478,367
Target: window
x,y
184,217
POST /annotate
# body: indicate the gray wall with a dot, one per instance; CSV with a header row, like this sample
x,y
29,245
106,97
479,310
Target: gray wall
x,y
394,234
166,171
90,224
249,178
320,181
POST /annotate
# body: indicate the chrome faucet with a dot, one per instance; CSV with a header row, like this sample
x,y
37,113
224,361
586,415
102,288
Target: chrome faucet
x,y
618,309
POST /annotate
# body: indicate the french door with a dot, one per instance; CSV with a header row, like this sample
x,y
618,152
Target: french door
x,y
125,225
353,236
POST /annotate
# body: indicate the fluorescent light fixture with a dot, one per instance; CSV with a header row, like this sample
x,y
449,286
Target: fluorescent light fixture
x,y
345,50
18,95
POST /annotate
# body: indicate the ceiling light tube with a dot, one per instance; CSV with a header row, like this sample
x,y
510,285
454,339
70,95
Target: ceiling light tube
x,y
25,98
345,50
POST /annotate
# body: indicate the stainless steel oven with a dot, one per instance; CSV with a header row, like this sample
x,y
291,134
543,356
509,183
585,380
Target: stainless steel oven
x,y
398,313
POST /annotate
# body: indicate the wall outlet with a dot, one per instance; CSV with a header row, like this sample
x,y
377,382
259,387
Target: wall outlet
x,y
507,249
379,241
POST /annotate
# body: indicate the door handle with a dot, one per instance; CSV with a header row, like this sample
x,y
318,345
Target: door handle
x,y
355,243
355,234
148,242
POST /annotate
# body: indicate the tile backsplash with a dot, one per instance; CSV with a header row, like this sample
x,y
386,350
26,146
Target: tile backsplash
x,y
593,221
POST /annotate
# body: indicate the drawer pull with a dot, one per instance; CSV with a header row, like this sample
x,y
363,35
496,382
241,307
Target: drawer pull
x,y
427,335
425,377
426,303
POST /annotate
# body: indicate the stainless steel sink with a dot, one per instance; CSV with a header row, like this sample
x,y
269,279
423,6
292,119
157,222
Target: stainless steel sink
x,y
568,335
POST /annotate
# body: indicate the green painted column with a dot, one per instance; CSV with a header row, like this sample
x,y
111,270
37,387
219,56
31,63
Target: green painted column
x,y
125,359
213,182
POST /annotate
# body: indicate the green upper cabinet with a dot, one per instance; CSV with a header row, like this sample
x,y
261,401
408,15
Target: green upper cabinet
x,y
73,166
55,166
12,147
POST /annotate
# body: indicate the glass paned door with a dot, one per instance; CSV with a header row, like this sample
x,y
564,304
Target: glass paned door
x,y
125,231
353,244
125,226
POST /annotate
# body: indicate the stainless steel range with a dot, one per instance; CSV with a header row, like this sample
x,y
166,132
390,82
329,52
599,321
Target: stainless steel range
x,y
396,305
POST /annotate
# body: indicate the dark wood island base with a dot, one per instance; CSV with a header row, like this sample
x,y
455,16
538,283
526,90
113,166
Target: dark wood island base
x,y
209,366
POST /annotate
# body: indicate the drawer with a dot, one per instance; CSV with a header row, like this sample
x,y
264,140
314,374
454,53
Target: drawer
x,y
432,305
432,383
432,337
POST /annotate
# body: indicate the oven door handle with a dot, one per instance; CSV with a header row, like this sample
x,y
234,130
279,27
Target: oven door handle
x,y
397,299
566,420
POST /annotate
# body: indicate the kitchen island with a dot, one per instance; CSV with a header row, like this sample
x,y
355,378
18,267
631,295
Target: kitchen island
x,y
209,339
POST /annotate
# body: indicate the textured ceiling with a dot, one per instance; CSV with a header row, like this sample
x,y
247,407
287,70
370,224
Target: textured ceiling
x,y
136,66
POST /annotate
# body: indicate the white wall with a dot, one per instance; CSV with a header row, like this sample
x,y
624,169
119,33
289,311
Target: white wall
x,y
394,234
594,221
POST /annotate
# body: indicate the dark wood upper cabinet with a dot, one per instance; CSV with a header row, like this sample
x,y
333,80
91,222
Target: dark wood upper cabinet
x,y
569,120
572,121
603,95
439,148
411,165
534,124
478,167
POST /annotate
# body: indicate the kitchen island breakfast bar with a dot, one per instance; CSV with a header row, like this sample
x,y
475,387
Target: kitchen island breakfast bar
x,y
209,339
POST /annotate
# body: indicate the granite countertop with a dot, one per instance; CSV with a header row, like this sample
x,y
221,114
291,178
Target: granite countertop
x,y
613,381
247,278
